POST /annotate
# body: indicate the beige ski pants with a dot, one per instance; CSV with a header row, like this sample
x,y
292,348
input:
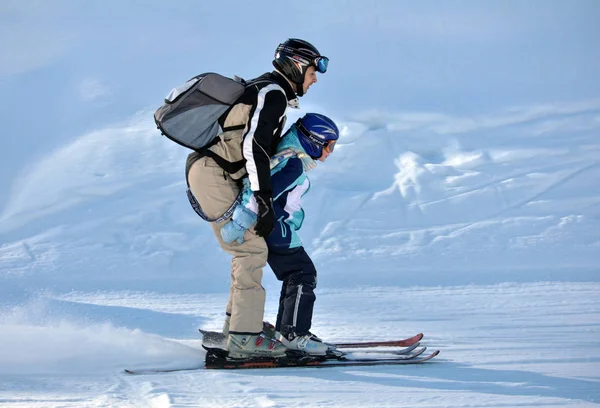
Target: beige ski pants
x,y
215,192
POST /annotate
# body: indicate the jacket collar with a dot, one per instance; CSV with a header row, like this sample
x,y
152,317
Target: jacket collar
x,y
287,87
290,146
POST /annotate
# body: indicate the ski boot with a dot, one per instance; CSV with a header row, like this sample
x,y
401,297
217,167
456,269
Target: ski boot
x,y
248,346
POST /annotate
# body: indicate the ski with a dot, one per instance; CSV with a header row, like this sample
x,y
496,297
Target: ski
x,y
375,362
405,350
215,359
388,343
219,353
411,351
216,338
404,353
219,357
143,371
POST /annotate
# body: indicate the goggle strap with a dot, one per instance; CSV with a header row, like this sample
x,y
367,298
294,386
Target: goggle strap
x,y
324,144
309,135
285,48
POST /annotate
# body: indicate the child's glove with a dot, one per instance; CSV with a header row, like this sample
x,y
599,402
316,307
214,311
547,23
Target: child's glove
x,y
235,229
232,231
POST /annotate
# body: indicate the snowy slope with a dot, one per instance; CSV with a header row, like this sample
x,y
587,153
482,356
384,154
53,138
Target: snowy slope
x,y
417,191
480,233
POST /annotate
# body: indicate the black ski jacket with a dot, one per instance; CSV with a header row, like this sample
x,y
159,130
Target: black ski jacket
x,y
266,120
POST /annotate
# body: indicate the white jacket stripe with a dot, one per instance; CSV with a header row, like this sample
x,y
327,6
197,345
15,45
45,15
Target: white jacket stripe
x,y
249,139
293,202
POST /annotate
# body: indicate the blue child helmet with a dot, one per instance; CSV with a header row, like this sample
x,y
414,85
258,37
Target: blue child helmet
x,y
316,132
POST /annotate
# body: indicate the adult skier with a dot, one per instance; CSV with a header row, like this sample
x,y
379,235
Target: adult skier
x,y
251,133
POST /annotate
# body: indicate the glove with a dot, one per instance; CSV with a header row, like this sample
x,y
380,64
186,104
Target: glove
x,y
266,214
232,231
235,229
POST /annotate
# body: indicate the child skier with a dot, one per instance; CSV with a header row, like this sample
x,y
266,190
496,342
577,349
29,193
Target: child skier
x,y
311,138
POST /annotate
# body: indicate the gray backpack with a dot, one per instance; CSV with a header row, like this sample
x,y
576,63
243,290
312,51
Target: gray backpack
x,y
191,112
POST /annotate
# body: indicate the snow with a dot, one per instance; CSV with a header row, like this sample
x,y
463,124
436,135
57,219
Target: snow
x,y
498,349
462,201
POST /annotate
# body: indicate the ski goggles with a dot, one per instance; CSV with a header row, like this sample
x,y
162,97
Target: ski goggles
x,y
321,63
329,146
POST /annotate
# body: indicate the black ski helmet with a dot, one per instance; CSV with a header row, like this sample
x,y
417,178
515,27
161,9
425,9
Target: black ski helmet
x,y
294,56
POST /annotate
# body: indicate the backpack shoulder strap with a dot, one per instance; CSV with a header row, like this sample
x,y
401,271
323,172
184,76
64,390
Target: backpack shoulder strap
x,y
248,84
260,81
282,156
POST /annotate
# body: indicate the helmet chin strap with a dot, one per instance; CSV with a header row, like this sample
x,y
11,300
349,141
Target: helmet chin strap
x,y
300,86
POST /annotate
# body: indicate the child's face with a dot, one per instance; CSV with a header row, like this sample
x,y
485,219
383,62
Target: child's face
x,y
327,150
324,155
